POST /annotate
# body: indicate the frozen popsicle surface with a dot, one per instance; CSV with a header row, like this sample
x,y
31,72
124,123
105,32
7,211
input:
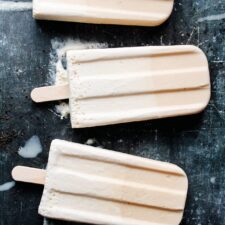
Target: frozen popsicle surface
x,y
124,12
92,185
111,86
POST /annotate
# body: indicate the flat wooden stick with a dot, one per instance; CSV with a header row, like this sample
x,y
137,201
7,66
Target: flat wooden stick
x,y
50,93
29,175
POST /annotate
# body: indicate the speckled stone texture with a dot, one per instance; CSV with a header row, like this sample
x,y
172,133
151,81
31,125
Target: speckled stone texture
x,y
196,143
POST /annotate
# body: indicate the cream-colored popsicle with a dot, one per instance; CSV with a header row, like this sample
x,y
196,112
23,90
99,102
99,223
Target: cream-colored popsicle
x,y
111,86
124,12
92,185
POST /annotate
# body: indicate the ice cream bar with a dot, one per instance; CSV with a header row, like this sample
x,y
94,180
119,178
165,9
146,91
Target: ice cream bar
x,y
111,86
92,185
123,12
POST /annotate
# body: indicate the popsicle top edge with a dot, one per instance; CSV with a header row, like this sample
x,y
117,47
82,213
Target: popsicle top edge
x,y
111,156
93,55
141,50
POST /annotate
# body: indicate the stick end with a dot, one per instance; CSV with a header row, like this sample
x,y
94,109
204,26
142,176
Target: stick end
x,y
50,93
34,95
28,175
16,172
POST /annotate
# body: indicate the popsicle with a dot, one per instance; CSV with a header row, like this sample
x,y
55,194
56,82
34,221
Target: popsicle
x,y
123,12
120,85
92,185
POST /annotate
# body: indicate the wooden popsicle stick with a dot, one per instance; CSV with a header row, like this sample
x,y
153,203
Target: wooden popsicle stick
x,y
29,175
50,93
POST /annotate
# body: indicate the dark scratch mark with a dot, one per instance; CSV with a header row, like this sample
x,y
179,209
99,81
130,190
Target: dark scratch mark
x,y
218,112
7,137
5,118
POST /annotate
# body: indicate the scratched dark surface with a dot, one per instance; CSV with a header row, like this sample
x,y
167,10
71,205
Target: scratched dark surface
x,y
196,143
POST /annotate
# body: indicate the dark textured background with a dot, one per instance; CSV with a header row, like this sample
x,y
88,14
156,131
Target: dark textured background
x,y
196,143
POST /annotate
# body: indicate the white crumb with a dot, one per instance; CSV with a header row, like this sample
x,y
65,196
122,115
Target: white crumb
x,y
90,141
213,180
63,109
32,148
7,186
